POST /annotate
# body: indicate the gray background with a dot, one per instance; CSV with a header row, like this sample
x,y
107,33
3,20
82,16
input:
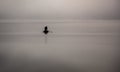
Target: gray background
x,y
59,9
84,38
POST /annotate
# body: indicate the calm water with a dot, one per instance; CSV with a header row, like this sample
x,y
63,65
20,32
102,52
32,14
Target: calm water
x,y
71,47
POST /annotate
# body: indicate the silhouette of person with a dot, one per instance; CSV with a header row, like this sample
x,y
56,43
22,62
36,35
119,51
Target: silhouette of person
x,y
46,31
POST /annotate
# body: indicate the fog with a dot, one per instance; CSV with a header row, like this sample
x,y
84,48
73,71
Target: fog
x,y
83,35
59,9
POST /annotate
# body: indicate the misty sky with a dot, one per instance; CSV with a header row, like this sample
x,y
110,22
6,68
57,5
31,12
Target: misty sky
x,y
59,9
